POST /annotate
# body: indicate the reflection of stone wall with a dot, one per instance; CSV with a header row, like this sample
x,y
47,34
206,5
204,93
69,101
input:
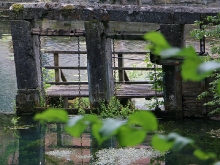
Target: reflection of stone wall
x,y
8,142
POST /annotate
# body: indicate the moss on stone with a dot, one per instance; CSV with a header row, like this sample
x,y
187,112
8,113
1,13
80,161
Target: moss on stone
x,y
67,10
17,7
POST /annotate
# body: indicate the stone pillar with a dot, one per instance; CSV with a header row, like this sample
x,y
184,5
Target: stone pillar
x,y
99,56
27,64
171,68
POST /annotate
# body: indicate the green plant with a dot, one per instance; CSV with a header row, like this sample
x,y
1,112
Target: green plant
x,y
156,76
55,102
212,32
114,108
81,103
154,102
48,75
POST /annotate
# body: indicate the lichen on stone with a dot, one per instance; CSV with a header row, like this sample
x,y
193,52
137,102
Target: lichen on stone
x,y
17,7
67,10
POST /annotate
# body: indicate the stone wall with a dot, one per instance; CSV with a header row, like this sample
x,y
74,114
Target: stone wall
x,y
209,3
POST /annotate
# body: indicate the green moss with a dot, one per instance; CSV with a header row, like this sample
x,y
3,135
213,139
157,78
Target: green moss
x,y
17,7
68,7
67,10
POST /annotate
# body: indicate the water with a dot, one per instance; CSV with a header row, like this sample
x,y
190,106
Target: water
x,y
50,145
8,86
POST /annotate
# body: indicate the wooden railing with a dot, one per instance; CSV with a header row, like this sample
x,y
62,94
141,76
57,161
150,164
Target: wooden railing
x,y
122,75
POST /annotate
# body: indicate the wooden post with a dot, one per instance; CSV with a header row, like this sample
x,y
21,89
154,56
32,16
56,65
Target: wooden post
x,y
27,64
120,65
99,58
56,63
172,79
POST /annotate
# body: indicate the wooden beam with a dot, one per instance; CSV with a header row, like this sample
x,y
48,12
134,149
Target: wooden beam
x,y
56,64
58,32
133,68
85,52
65,67
67,83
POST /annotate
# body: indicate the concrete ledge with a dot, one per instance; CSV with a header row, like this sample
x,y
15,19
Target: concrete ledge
x,y
122,13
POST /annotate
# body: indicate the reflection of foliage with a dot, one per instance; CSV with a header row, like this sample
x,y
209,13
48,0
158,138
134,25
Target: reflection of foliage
x,y
10,149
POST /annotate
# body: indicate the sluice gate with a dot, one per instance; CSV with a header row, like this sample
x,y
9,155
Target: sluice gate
x,y
179,97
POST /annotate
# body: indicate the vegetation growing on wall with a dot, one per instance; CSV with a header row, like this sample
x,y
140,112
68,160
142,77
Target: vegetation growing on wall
x,y
17,7
212,32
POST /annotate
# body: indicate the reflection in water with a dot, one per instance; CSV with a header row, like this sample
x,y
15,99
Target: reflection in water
x,y
51,145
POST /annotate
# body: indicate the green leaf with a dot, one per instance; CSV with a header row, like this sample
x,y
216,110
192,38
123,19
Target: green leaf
x,y
203,155
144,118
189,70
107,128
171,52
128,136
158,41
95,131
110,127
77,125
218,88
208,67
52,115
189,52
161,143
179,141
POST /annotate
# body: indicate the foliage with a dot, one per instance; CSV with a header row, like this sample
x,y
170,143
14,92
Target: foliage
x,y
212,32
134,129
194,68
155,103
114,108
81,103
48,75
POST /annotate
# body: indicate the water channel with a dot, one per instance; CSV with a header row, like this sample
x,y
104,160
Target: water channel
x,y
34,144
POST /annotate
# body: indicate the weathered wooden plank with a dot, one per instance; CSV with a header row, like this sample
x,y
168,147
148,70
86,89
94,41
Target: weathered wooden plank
x,y
132,68
122,91
85,52
67,83
58,32
63,52
84,68
84,83
66,67
126,36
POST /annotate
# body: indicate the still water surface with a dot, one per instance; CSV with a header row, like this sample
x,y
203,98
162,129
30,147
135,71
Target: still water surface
x,y
49,145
